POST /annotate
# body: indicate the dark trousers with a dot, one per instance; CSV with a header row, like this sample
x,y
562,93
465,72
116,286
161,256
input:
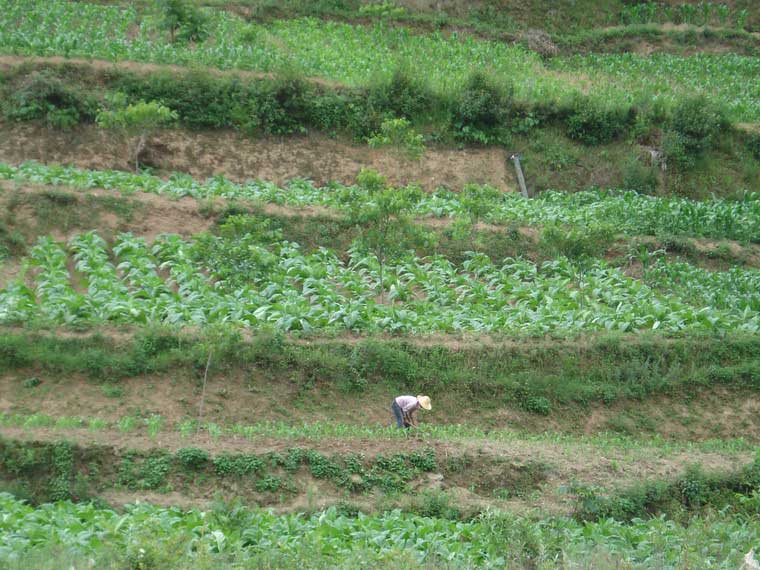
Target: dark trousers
x,y
399,415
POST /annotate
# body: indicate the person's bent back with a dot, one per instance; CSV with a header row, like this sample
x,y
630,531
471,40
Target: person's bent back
x,y
405,407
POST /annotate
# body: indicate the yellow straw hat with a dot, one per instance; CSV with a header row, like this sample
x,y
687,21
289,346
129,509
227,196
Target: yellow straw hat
x,y
424,402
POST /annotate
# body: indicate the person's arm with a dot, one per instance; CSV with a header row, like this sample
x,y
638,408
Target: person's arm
x,y
412,418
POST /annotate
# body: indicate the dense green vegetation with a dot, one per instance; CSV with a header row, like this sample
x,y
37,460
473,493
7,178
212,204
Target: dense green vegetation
x,y
152,537
567,311
359,54
261,281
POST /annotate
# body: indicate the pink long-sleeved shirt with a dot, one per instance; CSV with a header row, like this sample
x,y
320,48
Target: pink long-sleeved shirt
x,y
408,404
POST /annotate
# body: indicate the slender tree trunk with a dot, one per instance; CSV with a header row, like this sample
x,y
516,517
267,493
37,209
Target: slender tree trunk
x,y
203,392
138,151
382,285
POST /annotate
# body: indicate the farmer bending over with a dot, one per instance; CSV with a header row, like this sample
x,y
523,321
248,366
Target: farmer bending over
x,y
404,408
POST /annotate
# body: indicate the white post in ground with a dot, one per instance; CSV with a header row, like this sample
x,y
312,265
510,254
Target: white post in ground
x,y
520,178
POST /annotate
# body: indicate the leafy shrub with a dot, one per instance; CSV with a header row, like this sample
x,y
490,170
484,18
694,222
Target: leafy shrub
x,y
238,465
152,473
695,125
151,343
576,243
62,461
270,484
424,461
435,504
403,95
200,99
44,96
639,177
399,134
32,382
281,107
136,121
322,467
374,359
192,457
480,113
593,123
537,405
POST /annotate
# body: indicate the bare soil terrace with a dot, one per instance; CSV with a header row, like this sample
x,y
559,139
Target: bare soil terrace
x,y
276,159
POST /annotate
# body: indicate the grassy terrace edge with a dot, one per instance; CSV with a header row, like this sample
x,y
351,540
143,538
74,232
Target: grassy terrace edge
x,y
63,95
533,376
59,470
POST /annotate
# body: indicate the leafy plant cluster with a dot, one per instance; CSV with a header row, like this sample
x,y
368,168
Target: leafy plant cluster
x,y
48,467
398,134
702,14
483,111
184,21
149,473
45,96
695,490
353,472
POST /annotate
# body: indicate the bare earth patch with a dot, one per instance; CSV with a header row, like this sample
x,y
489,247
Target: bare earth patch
x,y
277,159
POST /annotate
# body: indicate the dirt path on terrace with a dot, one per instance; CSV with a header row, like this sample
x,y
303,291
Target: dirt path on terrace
x,y
203,154
10,61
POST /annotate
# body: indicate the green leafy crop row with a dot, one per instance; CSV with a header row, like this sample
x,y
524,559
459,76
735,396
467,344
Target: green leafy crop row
x,y
350,54
242,280
145,536
623,211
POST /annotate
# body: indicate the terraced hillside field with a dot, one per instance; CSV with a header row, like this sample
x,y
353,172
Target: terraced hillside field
x,y
232,233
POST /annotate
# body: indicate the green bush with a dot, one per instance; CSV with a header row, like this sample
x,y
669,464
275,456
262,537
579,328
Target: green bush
x,y
152,473
62,462
200,99
378,360
269,484
576,243
435,504
399,135
192,457
593,123
481,112
424,461
693,491
183,20
402,95
238,465
537,405
45,96
696,124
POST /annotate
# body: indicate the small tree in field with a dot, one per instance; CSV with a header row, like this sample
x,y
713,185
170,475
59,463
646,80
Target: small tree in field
x,y
136,122
386,229
183,20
